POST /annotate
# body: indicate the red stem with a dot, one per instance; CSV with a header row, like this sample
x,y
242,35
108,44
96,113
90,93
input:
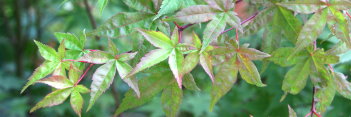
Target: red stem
x,y
85,72
348,14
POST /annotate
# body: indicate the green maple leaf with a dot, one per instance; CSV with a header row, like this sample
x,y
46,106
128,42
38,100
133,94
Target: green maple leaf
x,y
104,75
204,58
167,49
53,63
65,88
240,61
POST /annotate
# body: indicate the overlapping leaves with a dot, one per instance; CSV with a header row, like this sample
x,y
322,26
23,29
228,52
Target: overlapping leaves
x,y
104,75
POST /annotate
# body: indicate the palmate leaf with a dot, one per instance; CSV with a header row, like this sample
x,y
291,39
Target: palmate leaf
x,y
55,98
243,60
149,88
102,79
171,99
311,30
225,79
168,48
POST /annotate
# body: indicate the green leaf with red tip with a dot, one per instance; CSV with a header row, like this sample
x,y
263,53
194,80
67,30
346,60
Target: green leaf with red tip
x,y
175,62
206,63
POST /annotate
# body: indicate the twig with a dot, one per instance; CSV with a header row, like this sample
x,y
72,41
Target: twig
x,y
181,29
243,22
313,108
85,72
91,18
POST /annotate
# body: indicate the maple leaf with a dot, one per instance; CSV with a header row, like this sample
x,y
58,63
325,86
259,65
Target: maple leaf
x,y
104,75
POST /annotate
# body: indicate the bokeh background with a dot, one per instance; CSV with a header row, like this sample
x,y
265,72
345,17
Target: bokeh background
x,y
22,21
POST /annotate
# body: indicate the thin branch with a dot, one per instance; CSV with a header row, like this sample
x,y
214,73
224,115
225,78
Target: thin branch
x,y
181,29
90,15
313,108
85,72
243,22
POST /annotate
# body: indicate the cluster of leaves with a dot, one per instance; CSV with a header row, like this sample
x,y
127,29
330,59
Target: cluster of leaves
x,y
185,52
